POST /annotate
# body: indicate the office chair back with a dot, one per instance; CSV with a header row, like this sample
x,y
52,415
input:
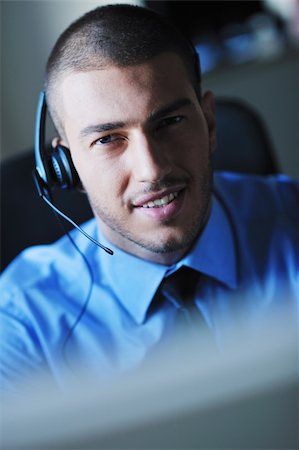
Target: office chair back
x,y
243,143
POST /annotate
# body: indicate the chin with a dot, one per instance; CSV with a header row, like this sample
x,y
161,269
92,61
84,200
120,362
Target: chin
x,y
170,244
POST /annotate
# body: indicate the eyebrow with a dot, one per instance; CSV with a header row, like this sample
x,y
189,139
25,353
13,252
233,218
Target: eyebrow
x,y
99,128
154,116
168,109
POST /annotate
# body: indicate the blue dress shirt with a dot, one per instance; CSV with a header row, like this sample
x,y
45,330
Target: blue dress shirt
x,y
58,310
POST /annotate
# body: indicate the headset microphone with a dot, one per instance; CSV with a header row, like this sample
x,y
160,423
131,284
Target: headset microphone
x,y
54,168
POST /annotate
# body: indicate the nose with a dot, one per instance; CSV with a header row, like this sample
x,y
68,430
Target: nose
x,y
150,160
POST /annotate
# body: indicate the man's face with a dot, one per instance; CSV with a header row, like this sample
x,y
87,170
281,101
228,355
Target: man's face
x,y
141,143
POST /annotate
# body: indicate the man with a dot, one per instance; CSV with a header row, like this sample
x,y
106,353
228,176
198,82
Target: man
x,y
123,89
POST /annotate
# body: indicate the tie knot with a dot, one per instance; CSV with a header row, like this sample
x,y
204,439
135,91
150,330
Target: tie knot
x,y
179,288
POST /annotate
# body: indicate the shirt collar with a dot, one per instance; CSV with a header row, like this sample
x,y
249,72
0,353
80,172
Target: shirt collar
x,y
135,281
214,252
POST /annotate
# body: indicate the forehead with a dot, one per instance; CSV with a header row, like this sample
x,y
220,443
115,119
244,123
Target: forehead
x,y
113,91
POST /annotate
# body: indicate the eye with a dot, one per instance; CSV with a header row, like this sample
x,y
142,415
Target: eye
x,y
169,121
108,139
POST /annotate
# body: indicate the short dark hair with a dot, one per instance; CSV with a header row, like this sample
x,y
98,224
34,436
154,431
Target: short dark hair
x,y
120,34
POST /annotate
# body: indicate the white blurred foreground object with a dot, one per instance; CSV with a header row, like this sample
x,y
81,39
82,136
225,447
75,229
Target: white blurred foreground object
x,y
245,397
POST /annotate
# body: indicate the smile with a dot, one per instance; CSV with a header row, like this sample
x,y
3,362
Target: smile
x,y
161,201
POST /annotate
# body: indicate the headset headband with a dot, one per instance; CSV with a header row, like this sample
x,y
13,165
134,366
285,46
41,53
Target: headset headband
x,y
40,151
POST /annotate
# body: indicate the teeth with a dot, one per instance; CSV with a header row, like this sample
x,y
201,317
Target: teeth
x,y
161,201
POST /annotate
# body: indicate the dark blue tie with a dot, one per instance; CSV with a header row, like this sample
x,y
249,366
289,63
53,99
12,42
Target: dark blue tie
x,y
180,290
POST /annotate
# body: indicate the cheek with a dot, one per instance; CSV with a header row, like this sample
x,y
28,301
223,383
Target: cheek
x,y
194,140
194,152
101,178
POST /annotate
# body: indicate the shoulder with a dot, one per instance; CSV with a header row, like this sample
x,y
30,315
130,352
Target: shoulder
x,y
251,196
46,266
41,294
264,217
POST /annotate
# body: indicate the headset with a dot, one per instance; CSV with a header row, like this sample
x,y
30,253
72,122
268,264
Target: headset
x,y
54,168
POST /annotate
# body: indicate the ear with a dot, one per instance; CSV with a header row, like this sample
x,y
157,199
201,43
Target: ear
x,y
58,141
209,111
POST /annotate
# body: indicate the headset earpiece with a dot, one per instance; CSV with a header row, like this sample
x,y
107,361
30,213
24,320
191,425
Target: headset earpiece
x,y
64,173
54,167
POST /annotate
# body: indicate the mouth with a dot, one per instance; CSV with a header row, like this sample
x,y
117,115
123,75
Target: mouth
x,y
159,202
162,206
159,199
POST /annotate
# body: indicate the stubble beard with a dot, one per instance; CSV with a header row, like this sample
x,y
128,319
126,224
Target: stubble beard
x,y
201,213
